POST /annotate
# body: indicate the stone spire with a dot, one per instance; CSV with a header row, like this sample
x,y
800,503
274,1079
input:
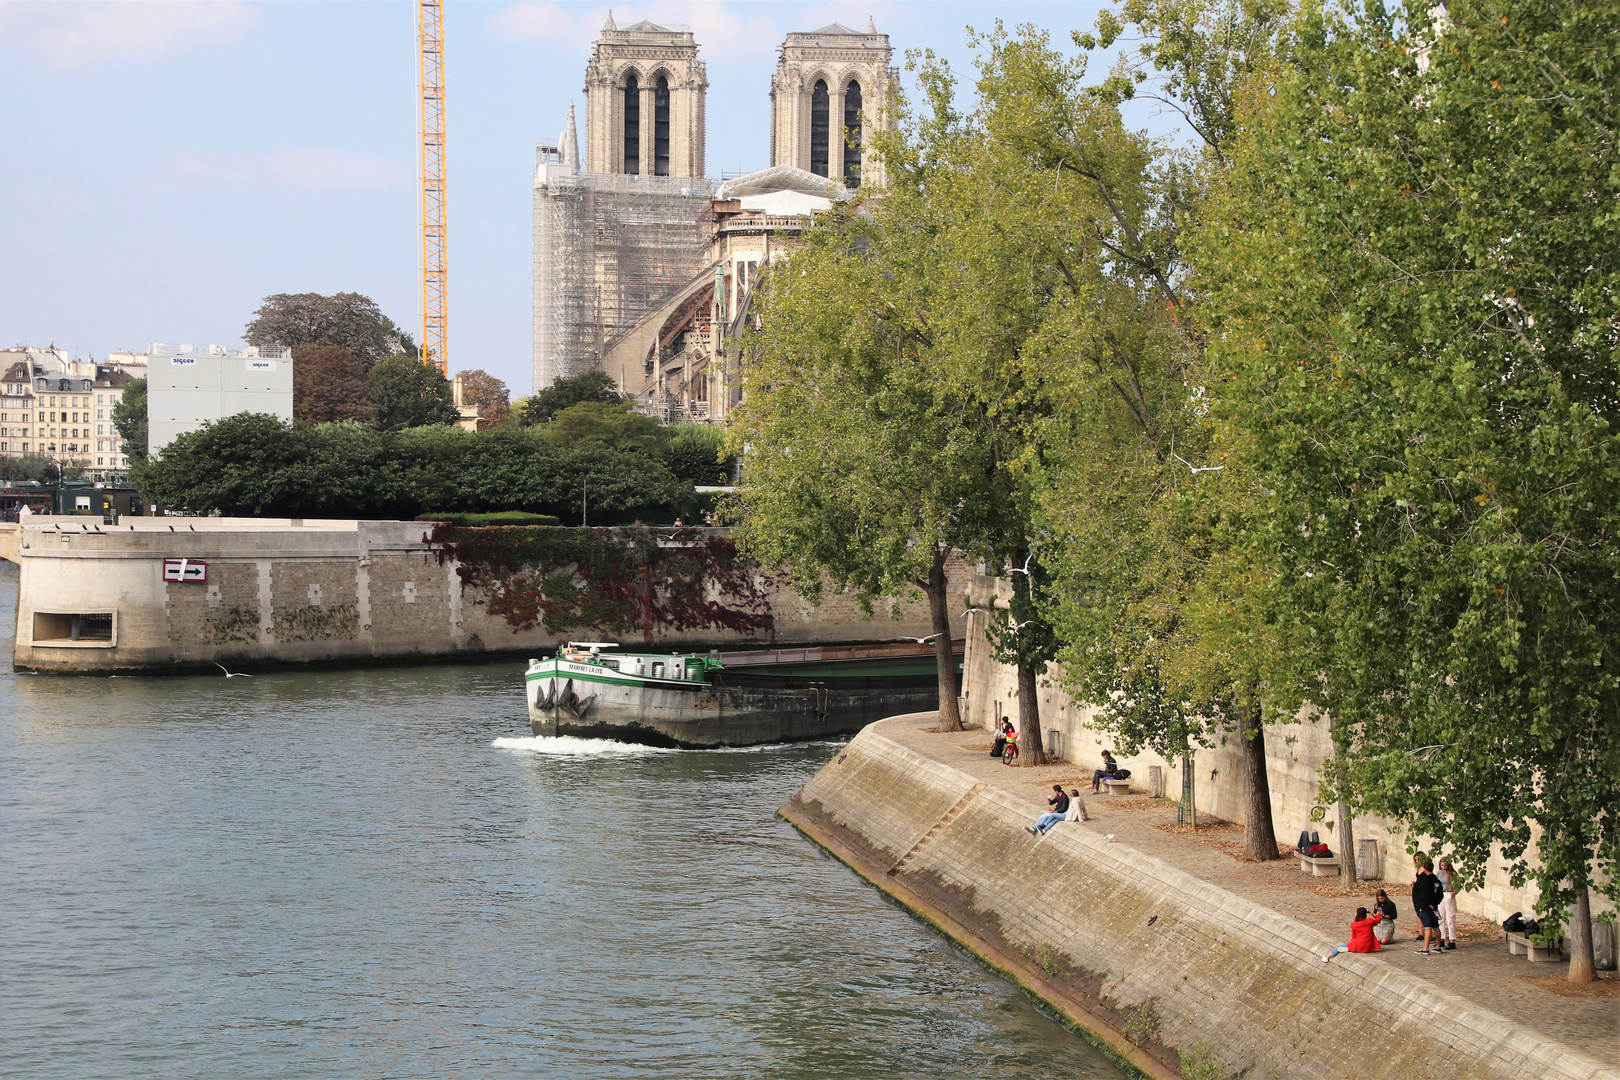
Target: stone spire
x,y
568,144
871,27
610,24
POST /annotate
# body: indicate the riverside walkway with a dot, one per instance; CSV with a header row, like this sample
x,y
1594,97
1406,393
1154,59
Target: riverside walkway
x,y
1480,969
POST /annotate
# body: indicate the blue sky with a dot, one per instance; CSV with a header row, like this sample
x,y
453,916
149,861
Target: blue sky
x,y
169,164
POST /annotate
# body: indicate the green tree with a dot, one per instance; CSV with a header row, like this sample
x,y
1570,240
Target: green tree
x,y
1413,294
406,393
616,427
348,320
129,419
697,453
544,405
28,467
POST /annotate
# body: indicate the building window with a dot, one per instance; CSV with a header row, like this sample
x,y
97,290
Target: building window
x,y
661,127
852,141
99,461
819,104
632,125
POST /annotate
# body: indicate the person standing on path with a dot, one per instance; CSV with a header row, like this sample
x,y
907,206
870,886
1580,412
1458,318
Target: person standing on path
x,y
1448,904
1426,896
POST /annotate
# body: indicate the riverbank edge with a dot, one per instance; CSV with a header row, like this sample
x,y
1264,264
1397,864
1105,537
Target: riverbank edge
x,y
1091,1025
1218,973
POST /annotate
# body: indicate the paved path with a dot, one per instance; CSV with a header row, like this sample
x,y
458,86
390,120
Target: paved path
x,y
1479,969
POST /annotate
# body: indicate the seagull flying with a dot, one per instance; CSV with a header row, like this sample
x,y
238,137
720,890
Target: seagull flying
x,y
970,611
1196,469
229,674
1028,557
1026,622
919,640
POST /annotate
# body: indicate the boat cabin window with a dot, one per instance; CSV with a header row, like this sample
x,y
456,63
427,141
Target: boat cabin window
x,y
605,662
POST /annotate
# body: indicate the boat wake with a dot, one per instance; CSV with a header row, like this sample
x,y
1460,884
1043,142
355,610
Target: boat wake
x,y
568,746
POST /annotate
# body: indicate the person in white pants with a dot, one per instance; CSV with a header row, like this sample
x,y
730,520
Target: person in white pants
x,y
1448,906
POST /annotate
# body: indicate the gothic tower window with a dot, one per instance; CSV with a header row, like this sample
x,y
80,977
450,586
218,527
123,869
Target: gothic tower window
x,y
632,125
819,105
661,127
852,121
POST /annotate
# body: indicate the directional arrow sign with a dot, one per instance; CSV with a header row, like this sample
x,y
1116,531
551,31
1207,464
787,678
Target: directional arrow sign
x,y
186,570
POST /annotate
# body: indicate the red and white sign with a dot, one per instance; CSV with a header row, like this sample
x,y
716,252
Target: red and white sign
x,y
191,571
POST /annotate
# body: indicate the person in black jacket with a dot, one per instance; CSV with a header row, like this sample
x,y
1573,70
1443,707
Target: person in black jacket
x,y
1426,895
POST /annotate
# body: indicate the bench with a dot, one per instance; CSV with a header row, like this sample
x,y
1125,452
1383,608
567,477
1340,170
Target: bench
x,y
1519,944
1319,867
1116,787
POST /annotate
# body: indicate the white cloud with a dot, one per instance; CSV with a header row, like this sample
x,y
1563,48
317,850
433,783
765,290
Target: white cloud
x,y
297,170
67,36
722,33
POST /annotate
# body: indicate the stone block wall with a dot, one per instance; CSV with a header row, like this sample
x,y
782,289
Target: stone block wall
x,y
284,591
1116,931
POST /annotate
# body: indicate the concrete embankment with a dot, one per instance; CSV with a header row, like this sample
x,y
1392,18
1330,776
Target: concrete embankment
x,y
1118,940
155,593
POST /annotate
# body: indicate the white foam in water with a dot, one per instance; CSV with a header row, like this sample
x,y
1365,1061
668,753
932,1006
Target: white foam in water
x,y
568,746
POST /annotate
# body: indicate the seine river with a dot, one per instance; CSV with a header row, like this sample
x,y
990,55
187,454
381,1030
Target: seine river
x,y
374,874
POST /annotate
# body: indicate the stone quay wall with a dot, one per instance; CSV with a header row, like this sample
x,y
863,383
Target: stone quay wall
x,y
1297,753
1100,931
289,591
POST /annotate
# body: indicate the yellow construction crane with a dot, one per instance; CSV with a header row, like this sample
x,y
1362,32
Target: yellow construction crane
x,y
430,81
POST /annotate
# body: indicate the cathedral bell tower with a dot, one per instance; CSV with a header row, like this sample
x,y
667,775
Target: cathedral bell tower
x,y
644,102
829,85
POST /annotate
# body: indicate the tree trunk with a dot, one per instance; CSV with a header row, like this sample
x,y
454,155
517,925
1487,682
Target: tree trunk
x,y
1030,750
1190,779
1582,964
1347,844
939,610
1259,838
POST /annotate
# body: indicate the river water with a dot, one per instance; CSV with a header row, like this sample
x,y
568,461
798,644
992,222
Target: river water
x,y
372,873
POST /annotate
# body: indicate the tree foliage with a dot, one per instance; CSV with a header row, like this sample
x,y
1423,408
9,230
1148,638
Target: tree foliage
x,y
544,405
488,395
406,393
253,465
348,320
129,419
1414,315
329,385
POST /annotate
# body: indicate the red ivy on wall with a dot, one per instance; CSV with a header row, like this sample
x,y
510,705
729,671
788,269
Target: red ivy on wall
x,y
620,580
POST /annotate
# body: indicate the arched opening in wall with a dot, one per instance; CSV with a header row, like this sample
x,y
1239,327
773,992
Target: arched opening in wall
x,y
852,142
632,125
661,127
820,103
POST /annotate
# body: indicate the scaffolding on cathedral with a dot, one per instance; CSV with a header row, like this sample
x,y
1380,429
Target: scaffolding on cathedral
x,y
607,249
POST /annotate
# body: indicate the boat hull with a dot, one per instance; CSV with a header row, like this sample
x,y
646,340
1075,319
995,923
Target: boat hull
x,y
703,715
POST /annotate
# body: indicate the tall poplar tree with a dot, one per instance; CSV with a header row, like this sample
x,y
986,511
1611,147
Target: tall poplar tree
x,y
1414,296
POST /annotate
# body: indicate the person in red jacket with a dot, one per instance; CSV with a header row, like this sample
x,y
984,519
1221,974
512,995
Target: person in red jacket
x,y
1361,935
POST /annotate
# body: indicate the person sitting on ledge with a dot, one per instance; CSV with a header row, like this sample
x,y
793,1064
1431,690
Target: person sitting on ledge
x,y
1064,808
1361,935
1104,773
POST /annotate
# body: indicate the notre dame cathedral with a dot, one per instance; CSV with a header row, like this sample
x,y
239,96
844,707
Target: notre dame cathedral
x,y
640,259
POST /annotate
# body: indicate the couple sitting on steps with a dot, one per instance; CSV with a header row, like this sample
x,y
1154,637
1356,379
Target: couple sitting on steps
x,y
1065,807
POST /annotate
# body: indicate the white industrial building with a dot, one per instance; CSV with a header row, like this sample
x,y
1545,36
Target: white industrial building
x,y
188,387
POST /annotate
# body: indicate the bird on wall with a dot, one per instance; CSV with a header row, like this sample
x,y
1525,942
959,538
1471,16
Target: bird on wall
x,y
229,674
